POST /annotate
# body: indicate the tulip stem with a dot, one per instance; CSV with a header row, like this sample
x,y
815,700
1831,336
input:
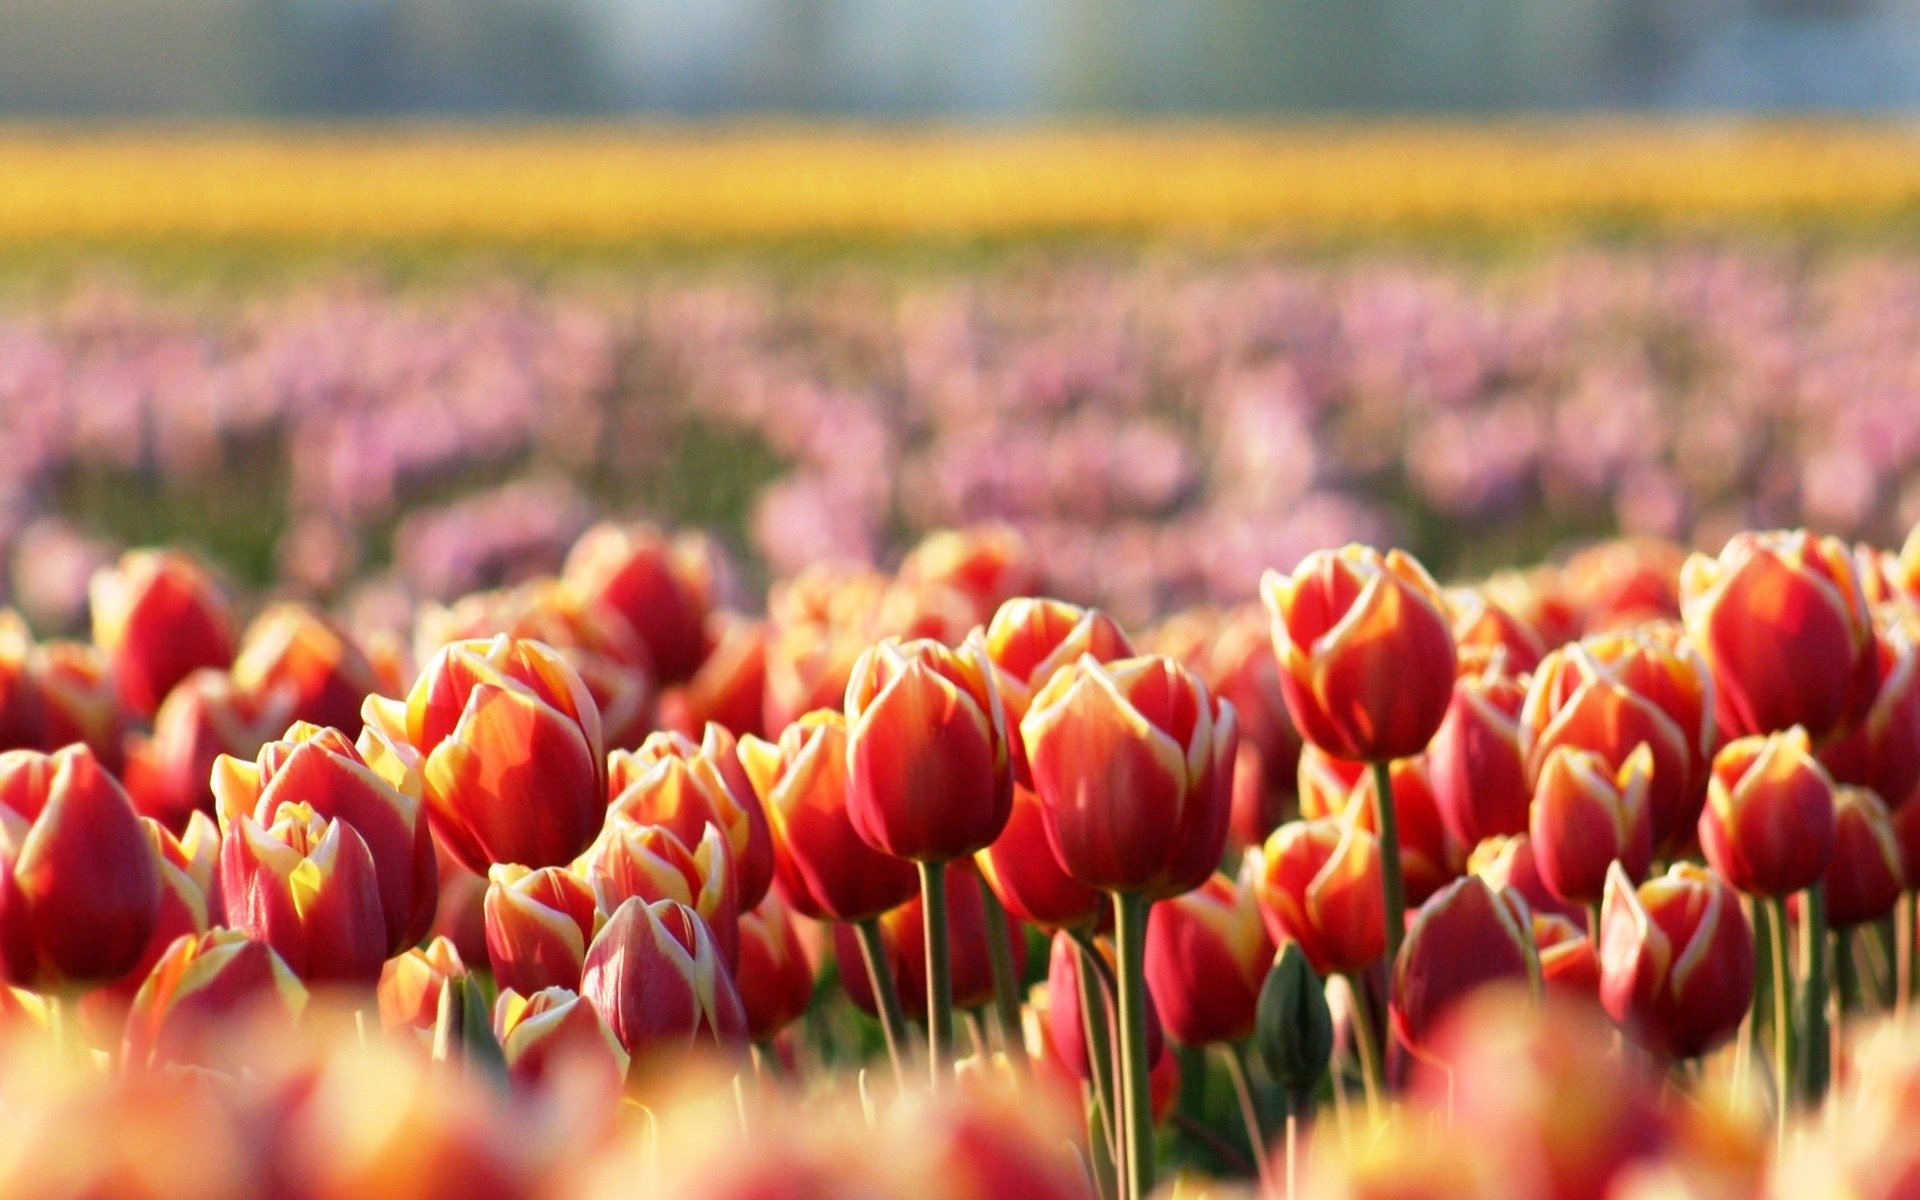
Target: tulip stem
x,y
1392,889
1846,973
1006,986
1905,917
886,995
1782,1018
1130,936
933,908
1817,1040
1095,1001
1372,1069
1235,1054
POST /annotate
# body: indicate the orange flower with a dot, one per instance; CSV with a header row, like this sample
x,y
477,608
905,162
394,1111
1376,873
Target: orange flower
x,y
658,587
649,862
198,992
684,786
297,649
1430,856
655,978
410,985
556,1033
1207,954
730,688
1588,816
539,924
1030,639
775,978
1569,965
1025,874
1768,825
1480,781
1883,750
1318,883
158,615
205,716
307,887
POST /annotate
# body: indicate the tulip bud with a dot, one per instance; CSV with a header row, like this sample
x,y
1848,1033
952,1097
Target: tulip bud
x,y
729,689
1770,590
1868,872
1206,954
205,716
1133,764
808,666
1029,640
307,887
511,753
74,693
1883,751
654,976
322,769
825,870
1586,816
1676,959
1065,1019
1480,781
410,985
297,650
1768,825
928,773
1569,965
1485,628
1623,582
775,979
539,924
903,934
649,862
1333,788
1509,863
158,615
79,884
1294,1026
654,585
1318,884
988,564
189,895
552,1032
1366,655
1465,938
672,782
199,989
1021,868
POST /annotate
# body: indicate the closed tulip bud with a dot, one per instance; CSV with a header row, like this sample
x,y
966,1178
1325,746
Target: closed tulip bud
x,y
1768,825
729,689
655,585
1133,764
158,616
1611,694
673,782
1569,965
205,716
1586,816
1623,582
333,776
509,739
1485,628
649,862
1333,788
1318,884
199,989
1207,953
1868,872
775,978
307,887
656,979
79,880
555,1033
74,694
928,773
1676,960
1463,939
988,564
539,924
1066,1030
1883,751
808,666
1023,872
1509,863
1480,781
1029,639
411,983
1769,590
1294,1026
297,650
824,869
903,934
1366,654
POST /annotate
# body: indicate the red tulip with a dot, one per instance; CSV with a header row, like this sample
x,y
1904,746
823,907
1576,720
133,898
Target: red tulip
x,y
1868,871
903,933
1133,765
539,924
928,773
1883,750
190,901
1509,862
649,862
1484,628
1023,872
775,978
1465,938
1318,883
808,666
654,976
205,716
299,651
1623,582
1029,640
987,564
1569,965
1676,959
1332,788
1768,825
1480,781
158,615
1207,954
656,586
197,992
411,983
672,782
73,691
823,868
729,689
556,1033
307,887
1771,590
79,880
1588,816
1366,654
1064,1024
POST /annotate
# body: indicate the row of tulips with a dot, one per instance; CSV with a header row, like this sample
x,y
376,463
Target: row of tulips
x,y
1303,833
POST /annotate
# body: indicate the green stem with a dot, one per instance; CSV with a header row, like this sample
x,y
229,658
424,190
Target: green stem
x,y
1782,1019
1235,1054
1593,924
1130,936
1392,890
1846,973
1006,986
886,995
1094,1004
1905,918
933,907
1372,1068
1818,1039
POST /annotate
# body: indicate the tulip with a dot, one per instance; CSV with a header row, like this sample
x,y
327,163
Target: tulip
x,y
1295,1028
158,615
649,862
539,924
1676,959
808,666
1479,775
79,881
1465,938
198,990
1588,816
553,1032
297,649
672,782
1611,694
1484,628
1430,856
775,978
1065,1018
204,716
903,934
655,978
307,887
1509,862
729,689
1029,640
1883,751
654,585
1318,885
189,896
510,745
74,694
1868,872
1569,964
1767,591
1207,954
322,769
410,985
1623,582
990,565
1768,826
1028,879
461,917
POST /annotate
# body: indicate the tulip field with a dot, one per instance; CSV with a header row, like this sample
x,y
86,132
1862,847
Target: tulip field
x,y
1082,718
